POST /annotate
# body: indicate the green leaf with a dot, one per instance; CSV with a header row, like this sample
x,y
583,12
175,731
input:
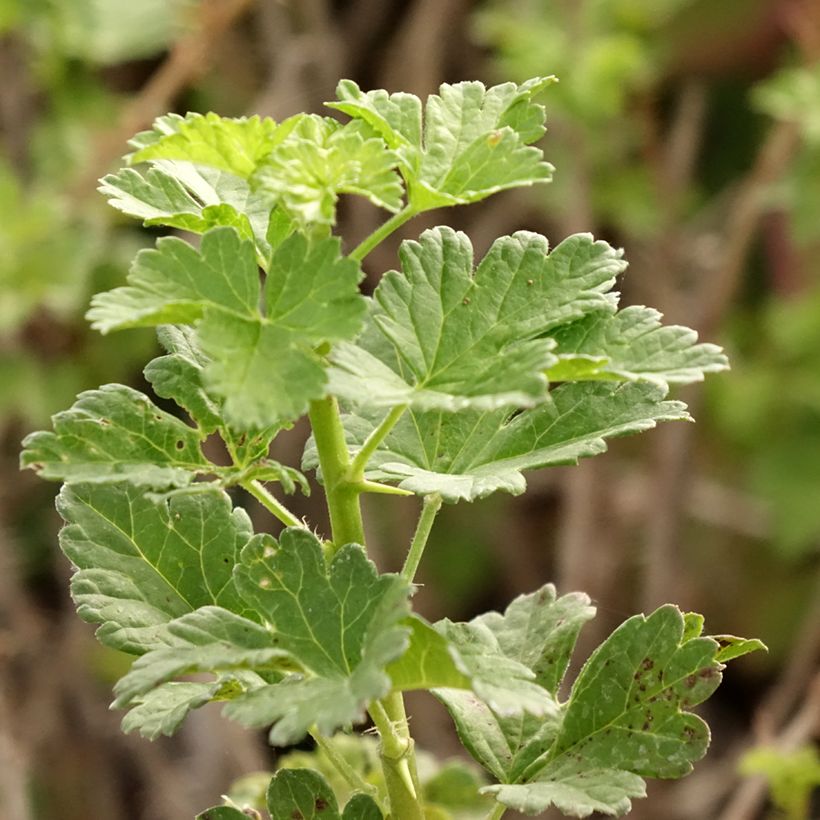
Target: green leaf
x,y
234,145
177,195
222,813
179,376
301,793
732,647
474,141
341,621
161,711
362,807
632,345
261,363
472,454
142,563
210,639
320,159
574,791
441,337
175,283
116,434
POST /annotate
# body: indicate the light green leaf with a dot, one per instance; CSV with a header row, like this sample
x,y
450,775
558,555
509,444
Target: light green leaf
x,y
320,159
261,364
469,455
301,793
442,337
573,791
141,563
474,141
178,195
236,145
116,434
732,647
341,621
632,345
210,639
179,375
176,282
161,711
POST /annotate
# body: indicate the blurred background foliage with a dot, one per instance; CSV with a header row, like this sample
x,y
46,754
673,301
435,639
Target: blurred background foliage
x,y
686,131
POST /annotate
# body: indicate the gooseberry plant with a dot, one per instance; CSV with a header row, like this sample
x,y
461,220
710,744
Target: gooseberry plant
x,y
448,383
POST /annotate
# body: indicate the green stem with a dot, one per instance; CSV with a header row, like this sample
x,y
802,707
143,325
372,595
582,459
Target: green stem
x,y
429,510
398,758
382,232
350,775
497,813
372,442
334,459
258,491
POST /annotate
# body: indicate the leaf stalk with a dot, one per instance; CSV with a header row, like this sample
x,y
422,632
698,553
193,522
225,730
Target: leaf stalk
x,y
271,504
382,232
429,510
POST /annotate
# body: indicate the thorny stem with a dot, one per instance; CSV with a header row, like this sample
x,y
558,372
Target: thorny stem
x,y
372,442
429,510
382,232
351,776
271,504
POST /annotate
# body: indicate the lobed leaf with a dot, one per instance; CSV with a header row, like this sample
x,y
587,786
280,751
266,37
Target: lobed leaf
x,y
235,145
441,337
161,711
320,159
474,141
632,345
341,621
304,793
472,454
259,361
143,563
116,434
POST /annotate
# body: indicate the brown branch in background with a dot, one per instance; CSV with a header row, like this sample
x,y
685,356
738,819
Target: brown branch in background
x,y
188,60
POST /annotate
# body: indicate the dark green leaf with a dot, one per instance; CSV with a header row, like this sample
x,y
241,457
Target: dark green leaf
x,y
301,793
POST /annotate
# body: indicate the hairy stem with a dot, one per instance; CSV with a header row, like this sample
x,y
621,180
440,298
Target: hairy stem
x,y
350,775
429,510
334,459
382,232
271,504
364,455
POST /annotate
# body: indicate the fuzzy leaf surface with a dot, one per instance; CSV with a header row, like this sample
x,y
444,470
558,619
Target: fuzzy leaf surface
x,y
236,145
470,455
320,159
116,434
474,141
162,710
633,345
342,622
261,363
440,336
141,563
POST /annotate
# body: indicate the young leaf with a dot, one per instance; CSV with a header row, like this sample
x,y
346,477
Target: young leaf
x,y
301,793
469,455
116,434
441,337
341,621
474,141
262,363
320,159
632,345
141,563
234,145
362,807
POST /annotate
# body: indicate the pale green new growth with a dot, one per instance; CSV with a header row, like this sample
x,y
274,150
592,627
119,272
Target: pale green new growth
x,y
449,381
